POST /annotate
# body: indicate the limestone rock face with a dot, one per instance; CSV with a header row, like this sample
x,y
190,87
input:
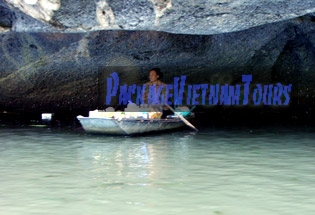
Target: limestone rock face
x,y
57,55
202,17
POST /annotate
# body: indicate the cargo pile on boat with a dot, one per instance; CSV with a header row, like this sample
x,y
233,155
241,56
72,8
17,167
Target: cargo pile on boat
x,y
133,111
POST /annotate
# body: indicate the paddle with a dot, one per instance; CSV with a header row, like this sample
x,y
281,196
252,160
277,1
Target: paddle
x,y
182,118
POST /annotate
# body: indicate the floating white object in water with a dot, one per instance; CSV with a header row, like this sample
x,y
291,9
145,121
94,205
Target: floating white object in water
x,y
46,116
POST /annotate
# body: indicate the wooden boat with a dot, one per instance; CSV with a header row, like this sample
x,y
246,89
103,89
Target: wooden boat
x,y
129,126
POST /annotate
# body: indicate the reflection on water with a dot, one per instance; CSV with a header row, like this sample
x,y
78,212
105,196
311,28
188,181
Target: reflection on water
x,y
268,171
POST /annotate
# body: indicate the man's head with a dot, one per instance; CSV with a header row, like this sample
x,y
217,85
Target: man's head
x,y
155,74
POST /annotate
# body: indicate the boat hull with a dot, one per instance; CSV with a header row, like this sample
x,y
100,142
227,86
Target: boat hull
x,y
126,126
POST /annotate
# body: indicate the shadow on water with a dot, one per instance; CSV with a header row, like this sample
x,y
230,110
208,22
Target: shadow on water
x,y
205,136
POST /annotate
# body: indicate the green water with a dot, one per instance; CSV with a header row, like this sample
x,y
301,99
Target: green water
x,y
213,172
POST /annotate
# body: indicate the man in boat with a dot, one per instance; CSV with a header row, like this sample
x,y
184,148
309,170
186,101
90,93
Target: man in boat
x,y
155,77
